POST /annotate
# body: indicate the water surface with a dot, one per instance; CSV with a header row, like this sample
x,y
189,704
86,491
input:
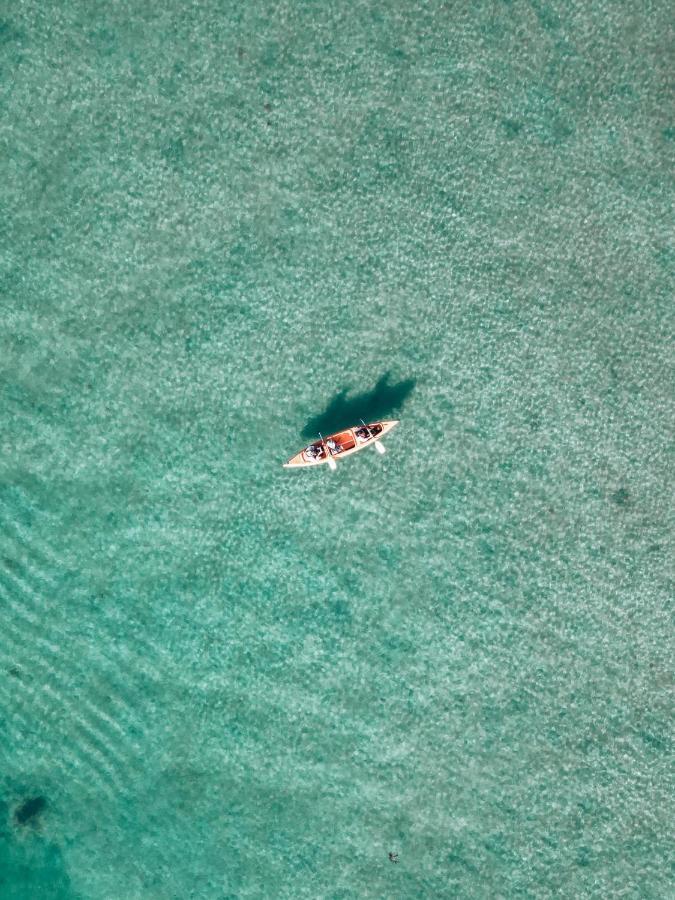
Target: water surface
x,y
223,224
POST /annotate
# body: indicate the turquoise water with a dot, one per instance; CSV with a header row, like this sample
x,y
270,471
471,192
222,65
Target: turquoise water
x,y
225,225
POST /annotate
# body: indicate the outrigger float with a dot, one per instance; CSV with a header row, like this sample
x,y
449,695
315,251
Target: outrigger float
x,y
342,443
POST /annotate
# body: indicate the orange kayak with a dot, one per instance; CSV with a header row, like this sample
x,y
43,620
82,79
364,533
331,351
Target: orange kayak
x,y
342,443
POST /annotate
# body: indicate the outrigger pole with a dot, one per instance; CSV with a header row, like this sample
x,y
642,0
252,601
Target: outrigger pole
x,y
378,446
332,465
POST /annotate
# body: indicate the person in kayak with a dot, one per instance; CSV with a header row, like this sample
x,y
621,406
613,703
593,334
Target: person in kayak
x,y
314,451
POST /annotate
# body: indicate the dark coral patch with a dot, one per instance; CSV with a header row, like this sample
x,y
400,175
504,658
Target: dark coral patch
x,y
621,497
29,810
511,127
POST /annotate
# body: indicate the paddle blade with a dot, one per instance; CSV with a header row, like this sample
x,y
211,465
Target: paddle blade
x,y
381,449
332,465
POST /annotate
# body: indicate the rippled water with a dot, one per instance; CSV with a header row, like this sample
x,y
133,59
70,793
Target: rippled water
x,y
228,225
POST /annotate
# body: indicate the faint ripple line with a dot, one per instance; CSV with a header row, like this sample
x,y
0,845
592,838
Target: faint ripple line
x,y
54,710
101,731
92,726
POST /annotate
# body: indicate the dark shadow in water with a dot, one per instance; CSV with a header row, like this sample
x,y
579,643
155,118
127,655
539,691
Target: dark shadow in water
x,y
343,411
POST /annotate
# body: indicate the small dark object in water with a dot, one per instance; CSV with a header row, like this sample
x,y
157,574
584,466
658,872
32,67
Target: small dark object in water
x,y
29,809
393,857
621,497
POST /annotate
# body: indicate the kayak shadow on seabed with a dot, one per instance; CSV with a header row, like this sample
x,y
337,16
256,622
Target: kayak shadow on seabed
x,y
371,406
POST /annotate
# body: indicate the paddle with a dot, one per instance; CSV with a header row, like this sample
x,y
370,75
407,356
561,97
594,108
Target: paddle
x,y
381,449
332,465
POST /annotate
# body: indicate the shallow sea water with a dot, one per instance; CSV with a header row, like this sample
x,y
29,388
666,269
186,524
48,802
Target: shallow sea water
x,y
224,224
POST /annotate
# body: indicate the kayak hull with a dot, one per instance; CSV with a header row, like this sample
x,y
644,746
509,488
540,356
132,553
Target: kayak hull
x,y
340,444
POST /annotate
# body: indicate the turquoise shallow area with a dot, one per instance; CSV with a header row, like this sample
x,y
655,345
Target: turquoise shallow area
x,y
228,680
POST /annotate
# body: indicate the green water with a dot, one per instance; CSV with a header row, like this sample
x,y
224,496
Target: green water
x,y
223,224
